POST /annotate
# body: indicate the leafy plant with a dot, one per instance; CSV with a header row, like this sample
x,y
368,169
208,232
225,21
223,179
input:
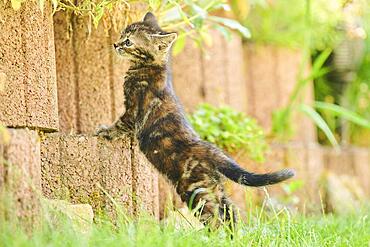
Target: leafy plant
x,y
281,119
188,18
230,130
287,23
357,95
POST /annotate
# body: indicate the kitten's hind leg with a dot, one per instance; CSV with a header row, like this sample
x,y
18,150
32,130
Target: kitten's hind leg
x,y
206,207
211,207
228,213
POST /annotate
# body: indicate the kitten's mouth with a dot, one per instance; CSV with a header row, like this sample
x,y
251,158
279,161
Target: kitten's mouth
x,y
118,49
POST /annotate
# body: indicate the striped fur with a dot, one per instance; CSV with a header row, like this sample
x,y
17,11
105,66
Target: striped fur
x,y
154,116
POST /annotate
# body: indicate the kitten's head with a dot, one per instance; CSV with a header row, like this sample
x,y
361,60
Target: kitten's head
x,y
145,42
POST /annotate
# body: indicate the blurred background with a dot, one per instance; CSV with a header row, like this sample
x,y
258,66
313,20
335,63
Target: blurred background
x,y
274,83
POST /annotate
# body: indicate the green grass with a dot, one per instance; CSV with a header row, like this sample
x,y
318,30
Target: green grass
x,y
261,229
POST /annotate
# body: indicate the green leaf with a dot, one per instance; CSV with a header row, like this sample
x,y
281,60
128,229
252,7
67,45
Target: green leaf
x,y
224,31
230,130
344,113
154,4
99,14
320,122
319,61
182,13
179,44
232,24
293,186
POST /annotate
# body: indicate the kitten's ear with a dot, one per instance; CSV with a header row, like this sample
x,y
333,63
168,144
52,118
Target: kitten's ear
x,y
150,18
165,39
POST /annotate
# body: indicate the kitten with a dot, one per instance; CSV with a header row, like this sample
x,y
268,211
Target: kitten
x,y
153,115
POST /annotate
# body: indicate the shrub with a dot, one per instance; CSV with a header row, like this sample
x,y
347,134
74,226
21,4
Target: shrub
x,y
230,130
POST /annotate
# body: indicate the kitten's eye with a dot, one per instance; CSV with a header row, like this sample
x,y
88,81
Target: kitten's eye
x,y
128,42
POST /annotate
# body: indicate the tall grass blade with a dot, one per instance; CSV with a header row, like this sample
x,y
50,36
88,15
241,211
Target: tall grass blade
x,y
320,122
344,113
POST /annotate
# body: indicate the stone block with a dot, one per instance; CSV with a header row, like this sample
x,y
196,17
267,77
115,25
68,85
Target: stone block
x,y
169,200
86,169
20,175
214,66
144,184
361,163
339,161
90,75
261,85
27,66
66,73
188,76
236,93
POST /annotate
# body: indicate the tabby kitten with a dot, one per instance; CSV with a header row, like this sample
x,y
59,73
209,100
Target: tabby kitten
x,y
153,115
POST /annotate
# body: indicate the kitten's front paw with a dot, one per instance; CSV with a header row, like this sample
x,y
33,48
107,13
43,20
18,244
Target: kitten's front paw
x,y
103,131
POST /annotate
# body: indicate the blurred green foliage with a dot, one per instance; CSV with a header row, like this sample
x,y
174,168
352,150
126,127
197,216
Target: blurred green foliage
x,y
230,130
318,28
357,96
289,23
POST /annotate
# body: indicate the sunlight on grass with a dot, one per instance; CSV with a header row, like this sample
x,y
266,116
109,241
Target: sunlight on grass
x,y
261,229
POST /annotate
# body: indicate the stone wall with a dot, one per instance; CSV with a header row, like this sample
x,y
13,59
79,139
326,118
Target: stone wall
x,y
28,87
86,169
89,74
51,77
20,175
215,75
251,78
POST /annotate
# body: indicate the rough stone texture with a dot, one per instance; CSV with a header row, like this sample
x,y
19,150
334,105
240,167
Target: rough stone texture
x,y
288,63
261,87
81,216
272,74
235,73
339,161
66,77
307,160
20,178
27,64
344,194
144,178
214,75
51,172
361,163
90,87
85,169
155,193
168,198
188,77
214,67
313,174
116,172
92,61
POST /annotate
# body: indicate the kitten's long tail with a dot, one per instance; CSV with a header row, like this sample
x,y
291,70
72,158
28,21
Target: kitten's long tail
x,y
237,174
